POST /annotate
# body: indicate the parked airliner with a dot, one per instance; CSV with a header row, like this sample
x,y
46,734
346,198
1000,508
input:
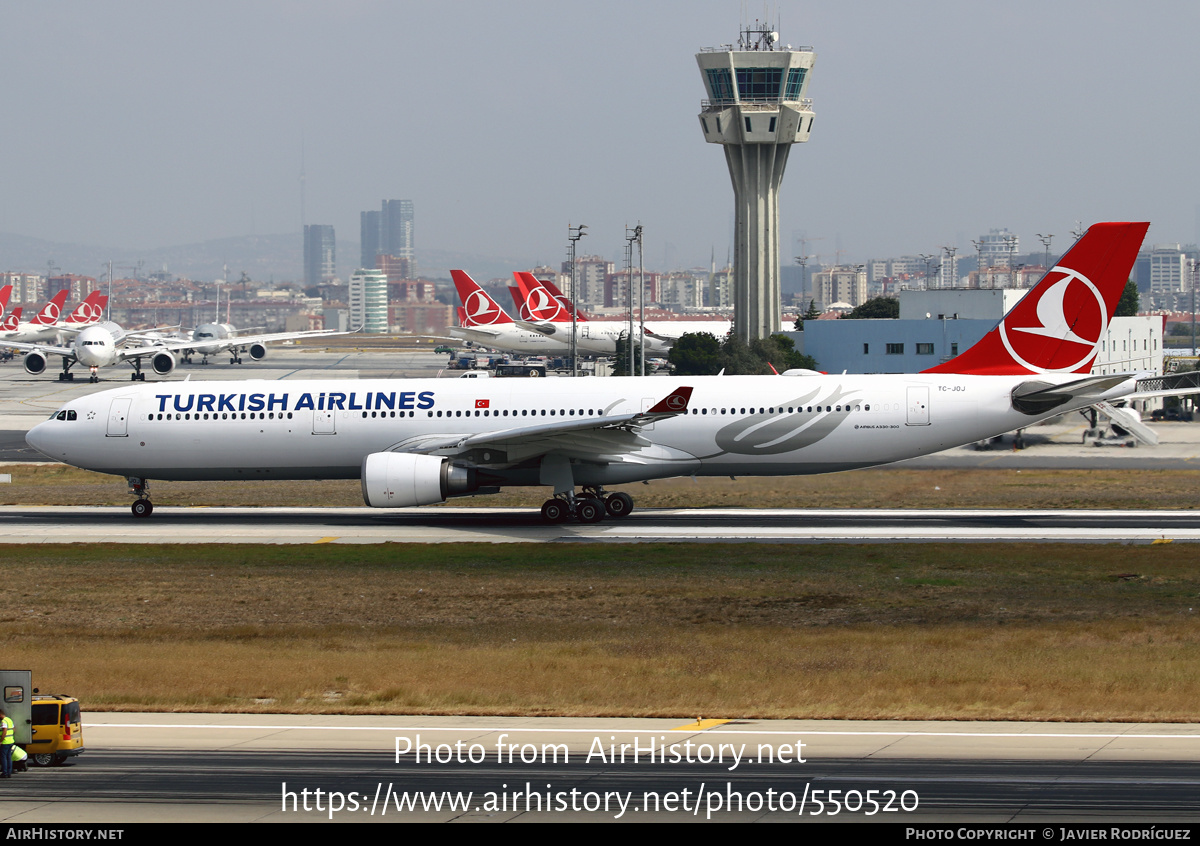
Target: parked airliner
x,y
43,326
483,321
421,441
549,311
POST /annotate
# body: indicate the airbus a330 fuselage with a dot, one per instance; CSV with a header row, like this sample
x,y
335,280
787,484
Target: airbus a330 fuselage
x,y
418,442
766,425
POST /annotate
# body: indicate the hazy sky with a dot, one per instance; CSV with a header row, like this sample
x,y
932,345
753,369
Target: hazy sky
x,y
150,124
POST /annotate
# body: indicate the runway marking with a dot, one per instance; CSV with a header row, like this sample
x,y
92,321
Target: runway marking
x,y
326,540
613,730
700,725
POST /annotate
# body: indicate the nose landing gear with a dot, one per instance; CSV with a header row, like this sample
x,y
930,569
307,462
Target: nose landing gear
x,y
142,506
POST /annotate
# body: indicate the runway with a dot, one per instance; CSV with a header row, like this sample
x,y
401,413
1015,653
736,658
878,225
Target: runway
x,y
247,768
63,524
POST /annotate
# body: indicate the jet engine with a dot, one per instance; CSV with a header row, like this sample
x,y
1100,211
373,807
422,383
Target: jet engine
x,y
401,479
163,363
35,363
258,352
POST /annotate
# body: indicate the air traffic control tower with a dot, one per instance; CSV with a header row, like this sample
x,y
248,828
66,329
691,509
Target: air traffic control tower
x,y
756,108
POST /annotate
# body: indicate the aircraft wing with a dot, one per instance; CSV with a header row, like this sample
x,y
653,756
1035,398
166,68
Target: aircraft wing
x,y
47,349
598,438
247,340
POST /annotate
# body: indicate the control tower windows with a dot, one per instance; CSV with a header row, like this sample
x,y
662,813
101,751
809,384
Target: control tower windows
x,y
795,83
720,84
759,83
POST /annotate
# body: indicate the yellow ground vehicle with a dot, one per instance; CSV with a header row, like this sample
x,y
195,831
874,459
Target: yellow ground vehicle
x,y
56,729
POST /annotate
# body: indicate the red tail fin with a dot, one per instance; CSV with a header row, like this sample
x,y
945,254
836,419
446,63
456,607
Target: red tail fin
x,y
5,293
88,311
1057,326
479,308
13,321
51,311
540,303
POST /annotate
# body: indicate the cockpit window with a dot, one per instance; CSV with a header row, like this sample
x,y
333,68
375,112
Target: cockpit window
x,y
64,415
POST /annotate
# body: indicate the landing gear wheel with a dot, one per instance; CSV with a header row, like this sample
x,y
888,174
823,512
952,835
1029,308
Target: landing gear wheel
x,y
554,511
142,508
589,510
618,505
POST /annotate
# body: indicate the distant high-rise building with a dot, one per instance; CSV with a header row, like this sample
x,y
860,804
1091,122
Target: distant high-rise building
x,y
368,292
388,232
319,254
396,229
369,228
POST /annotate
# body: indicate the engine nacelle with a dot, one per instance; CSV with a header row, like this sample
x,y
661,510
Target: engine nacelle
x,y
35,363
402,479
258,352
163,363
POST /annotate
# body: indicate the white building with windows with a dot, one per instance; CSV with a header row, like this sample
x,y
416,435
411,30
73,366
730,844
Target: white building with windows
x,y
368,295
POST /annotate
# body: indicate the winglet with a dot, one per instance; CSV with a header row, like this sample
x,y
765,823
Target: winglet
x,y
675,402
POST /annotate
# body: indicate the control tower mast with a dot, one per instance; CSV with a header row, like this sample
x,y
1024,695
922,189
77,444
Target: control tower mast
x,y
756,109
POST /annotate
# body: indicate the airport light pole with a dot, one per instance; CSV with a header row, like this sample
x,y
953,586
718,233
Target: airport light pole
x,y
641,298
1045,239
1195,279
574,233
630,237
978,263
803,262
928,259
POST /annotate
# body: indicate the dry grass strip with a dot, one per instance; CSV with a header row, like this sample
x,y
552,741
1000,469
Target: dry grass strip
x,y
1048,632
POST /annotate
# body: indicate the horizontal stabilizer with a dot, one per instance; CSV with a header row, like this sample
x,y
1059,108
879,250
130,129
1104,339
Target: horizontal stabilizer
x,y
541,329
1038,397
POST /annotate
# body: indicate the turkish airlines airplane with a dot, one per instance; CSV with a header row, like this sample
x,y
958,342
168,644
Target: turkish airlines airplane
x,y
420,441
44,325
483,321
550,311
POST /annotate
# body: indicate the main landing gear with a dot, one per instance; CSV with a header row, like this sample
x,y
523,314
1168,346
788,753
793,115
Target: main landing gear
x,y
137,375
142,506
592,506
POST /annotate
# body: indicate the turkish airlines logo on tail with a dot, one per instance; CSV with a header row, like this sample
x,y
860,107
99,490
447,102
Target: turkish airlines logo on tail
x,y
86,312
541,305
1060,330
481,310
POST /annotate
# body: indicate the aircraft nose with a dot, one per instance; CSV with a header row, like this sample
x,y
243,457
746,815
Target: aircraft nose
x,y
42,438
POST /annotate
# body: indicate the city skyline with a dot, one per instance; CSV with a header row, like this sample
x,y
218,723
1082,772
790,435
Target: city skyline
x,y
935,122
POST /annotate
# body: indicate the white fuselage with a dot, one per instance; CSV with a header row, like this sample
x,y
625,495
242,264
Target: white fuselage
x,y
508,337
747,425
